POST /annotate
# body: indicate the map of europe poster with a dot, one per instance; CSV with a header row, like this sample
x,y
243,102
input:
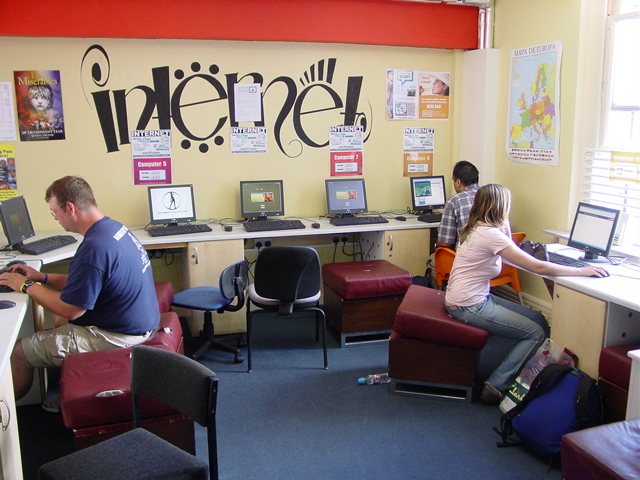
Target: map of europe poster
x,y
39,104
533,129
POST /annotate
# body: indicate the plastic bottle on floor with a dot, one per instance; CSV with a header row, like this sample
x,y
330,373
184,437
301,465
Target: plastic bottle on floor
x,y
375,379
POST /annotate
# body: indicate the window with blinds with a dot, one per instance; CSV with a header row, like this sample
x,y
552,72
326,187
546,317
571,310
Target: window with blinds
x,y
604,180
600,186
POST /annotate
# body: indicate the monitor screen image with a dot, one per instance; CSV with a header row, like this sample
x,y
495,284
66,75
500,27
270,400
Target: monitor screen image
x,y
593,230
261,199
346,196
428,193
16,221
171,204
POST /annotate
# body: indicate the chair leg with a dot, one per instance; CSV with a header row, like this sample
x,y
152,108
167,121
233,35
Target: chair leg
x,y
208,335
320,312
249,315
324,338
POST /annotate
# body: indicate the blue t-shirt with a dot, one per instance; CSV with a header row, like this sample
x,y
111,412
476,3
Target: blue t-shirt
x,y
110,276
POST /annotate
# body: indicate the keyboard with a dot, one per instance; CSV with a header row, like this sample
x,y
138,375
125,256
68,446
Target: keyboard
x,y
182,229
346,221
430,217
566,261
46,244
268,225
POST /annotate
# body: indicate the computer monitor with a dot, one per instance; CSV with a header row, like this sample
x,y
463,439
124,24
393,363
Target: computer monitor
x,y
261,199
593,230
171,204
346,196
16,221
427,193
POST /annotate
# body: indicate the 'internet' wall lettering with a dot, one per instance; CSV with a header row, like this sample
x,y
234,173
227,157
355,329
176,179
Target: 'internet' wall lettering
x,y
170,107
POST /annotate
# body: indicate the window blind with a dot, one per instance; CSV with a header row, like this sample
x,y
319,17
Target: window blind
x,y
598,188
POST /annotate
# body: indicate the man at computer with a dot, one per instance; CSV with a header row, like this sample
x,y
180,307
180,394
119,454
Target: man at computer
x,y
108,297
456,211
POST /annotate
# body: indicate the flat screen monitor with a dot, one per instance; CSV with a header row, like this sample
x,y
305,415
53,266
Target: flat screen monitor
x,y
16,221
171,204
427,193
346,196
261,199
593,230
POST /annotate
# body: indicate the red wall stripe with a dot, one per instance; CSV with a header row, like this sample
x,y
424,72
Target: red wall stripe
x,y
370,22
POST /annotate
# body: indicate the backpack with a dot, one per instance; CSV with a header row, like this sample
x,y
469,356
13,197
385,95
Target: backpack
x,y
562,399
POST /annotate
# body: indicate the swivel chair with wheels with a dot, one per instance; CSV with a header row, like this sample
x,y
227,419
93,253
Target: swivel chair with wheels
x,y
161,376
286,280
232,285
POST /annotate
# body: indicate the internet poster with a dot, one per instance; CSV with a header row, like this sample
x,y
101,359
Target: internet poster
x,y
151,155
39,105
346,150
8,183
418,144
248,139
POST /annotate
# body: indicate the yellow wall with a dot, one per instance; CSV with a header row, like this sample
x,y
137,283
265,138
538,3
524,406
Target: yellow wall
x,y
216,174
544,197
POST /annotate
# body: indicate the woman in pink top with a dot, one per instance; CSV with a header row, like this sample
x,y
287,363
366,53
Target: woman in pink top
x,y
484,242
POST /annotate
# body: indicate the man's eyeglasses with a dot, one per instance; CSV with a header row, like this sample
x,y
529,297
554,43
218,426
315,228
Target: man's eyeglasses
x,y
55,212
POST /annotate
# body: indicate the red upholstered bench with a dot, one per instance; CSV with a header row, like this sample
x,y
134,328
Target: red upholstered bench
x,y
361,298
431,353
95,393
614,371
164,292
606,452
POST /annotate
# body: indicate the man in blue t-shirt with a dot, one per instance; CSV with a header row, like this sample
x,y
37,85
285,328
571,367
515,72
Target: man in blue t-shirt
x,y
108,298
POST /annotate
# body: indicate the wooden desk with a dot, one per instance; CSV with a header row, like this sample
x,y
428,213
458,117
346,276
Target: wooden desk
x,y
10,322
403,243
589,314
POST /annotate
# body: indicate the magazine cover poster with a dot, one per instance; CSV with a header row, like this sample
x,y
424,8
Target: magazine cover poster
x,y
39,104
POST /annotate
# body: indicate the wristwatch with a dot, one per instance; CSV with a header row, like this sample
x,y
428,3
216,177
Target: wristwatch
x,y
27,283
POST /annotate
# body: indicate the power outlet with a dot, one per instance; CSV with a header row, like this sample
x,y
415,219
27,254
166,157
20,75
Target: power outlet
x,y
261,242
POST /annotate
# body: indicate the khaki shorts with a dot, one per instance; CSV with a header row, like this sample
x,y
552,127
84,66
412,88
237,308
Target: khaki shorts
x,y
49,348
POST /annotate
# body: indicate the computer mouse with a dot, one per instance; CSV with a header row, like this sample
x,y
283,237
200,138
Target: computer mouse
x,y
228,228
6,304
13,262
315,225
16,262
401,218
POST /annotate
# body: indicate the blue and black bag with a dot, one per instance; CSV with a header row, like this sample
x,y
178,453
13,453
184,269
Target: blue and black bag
x,y
562,399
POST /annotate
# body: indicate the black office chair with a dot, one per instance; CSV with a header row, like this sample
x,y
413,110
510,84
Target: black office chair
x,y
232,285
286,280
163,376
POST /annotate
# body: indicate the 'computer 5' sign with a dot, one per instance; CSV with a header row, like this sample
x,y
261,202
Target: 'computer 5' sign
x,y
173,106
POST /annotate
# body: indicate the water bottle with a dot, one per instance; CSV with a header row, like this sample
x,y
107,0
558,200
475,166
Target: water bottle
x,y
375,379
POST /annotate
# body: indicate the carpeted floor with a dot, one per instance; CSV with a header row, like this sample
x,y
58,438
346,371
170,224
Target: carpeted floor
x,y
291,419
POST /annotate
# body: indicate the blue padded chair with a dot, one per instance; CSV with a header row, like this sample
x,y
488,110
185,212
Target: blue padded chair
x,y
232,286
286,280
166,377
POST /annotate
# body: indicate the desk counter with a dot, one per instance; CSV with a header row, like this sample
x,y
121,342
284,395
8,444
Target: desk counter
x,y
589,314
10,322
238,233
621,287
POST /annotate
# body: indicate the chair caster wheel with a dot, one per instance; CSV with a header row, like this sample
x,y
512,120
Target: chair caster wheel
x,y
238,358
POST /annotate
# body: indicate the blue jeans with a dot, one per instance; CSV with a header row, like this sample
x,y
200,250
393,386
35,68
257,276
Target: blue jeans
x,y
511,320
